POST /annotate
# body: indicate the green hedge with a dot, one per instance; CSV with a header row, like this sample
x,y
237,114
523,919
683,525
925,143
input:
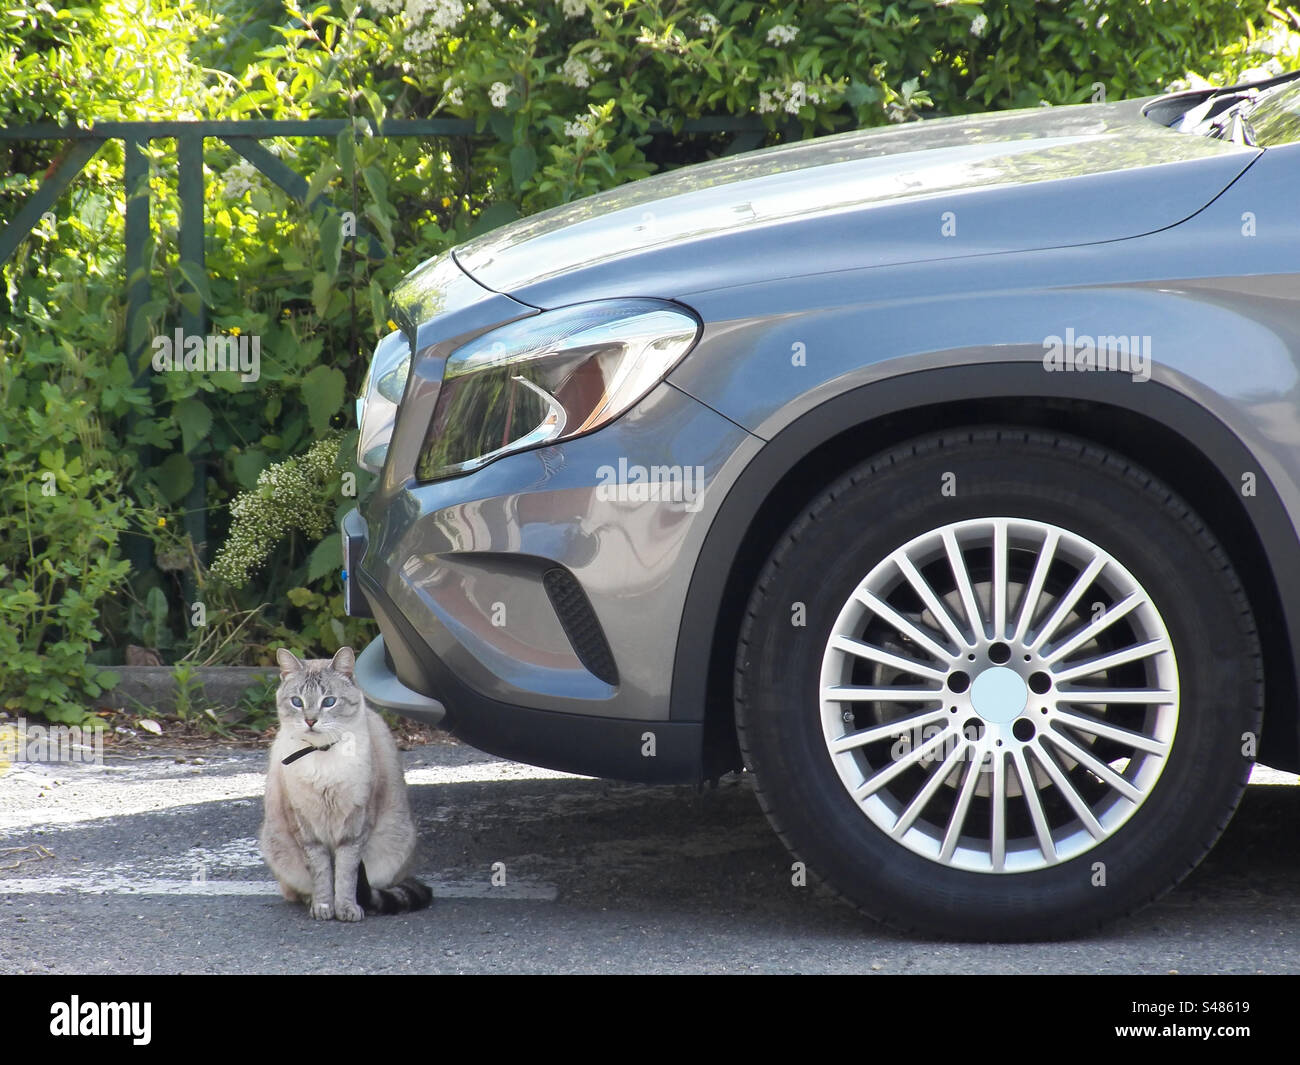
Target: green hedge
x,y
566,97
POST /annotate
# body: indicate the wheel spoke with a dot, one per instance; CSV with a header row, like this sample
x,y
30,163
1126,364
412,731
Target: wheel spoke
x,y
1118,696
846,693
1067,602
922,588
1029,604
998,805
958,817
912,632
875,654
1066,787
1090,762
1125,736
999,594
964,588
1094,628
1029,786
941,773
1118,658
889,730
899,765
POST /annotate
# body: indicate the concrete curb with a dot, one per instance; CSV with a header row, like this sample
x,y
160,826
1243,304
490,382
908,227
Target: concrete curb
x,y
154,687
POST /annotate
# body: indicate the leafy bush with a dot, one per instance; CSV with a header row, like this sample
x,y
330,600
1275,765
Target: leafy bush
x,y
568,97
62,510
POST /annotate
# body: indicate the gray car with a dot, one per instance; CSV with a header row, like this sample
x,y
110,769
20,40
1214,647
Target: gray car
x,y
944,477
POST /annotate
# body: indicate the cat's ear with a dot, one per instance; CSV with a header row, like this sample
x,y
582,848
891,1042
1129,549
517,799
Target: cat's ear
x,y
344,661
289,662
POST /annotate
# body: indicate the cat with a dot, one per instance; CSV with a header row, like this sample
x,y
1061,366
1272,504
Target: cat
x,y
338,832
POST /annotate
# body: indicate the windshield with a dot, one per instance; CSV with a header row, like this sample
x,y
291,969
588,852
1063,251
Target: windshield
x,y
1275,117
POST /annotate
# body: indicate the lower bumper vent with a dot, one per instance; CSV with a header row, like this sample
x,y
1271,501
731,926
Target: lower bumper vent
x,y
579,623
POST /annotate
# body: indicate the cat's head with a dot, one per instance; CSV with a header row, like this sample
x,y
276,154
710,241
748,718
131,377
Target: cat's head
x,y
318,698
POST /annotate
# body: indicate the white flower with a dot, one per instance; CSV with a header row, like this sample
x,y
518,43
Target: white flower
x,y
597,60
814,97
782,34
796,98
1271,69
979,25
575,72
765,103
238,179
581,126
453,93
498,93
387,7
496,18
420,41
708,23
573,8
441,14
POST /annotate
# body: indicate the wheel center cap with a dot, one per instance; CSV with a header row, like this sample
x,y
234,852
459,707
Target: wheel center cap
x,y
999,695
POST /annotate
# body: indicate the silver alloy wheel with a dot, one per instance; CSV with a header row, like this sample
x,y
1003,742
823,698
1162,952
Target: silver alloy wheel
x,y
999,695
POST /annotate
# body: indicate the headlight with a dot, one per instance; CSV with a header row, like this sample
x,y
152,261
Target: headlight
x,y
380,395
548,378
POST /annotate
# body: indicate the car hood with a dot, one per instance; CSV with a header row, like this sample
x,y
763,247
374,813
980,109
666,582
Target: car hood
x,y
1042,178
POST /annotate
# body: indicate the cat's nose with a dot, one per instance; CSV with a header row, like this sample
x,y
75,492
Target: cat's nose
x,y
310,721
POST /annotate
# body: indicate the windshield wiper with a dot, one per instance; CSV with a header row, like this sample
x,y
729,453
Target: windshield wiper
x,y
1222,117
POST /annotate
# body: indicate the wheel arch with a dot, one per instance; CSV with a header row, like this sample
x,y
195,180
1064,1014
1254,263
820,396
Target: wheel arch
x,y
1171,435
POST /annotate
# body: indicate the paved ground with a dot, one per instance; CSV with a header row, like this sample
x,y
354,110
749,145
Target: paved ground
x,y
152,866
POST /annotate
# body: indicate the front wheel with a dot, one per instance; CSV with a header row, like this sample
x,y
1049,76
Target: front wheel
x,y
998,684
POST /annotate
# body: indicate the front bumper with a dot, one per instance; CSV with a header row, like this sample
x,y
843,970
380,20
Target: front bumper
x,y
644,751
538,600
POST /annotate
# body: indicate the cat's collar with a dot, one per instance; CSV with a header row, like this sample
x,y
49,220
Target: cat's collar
x,y
303,753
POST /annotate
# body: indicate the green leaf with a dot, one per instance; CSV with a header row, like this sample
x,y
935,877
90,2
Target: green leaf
x,y
198,280
326,173
195,421
174,477
322,392
500,124
346,149
331,241
326,556
248,464
322,287
496,215
523,164
377,184
379,305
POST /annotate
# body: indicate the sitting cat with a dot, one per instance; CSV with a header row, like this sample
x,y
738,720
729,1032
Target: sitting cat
x,y
338,832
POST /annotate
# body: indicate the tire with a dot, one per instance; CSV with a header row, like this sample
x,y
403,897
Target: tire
x,y
869,804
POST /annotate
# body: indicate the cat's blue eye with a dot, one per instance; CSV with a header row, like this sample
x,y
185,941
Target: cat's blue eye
x,y
328,702
296,702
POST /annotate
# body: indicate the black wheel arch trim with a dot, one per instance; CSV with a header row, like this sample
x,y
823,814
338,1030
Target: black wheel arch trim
x,y
1196,426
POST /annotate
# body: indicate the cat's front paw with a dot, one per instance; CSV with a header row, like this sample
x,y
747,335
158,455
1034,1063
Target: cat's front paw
x,y
322,911
349,911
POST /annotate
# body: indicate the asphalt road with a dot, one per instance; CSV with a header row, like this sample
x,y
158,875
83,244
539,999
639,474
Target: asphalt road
x,y
150,865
